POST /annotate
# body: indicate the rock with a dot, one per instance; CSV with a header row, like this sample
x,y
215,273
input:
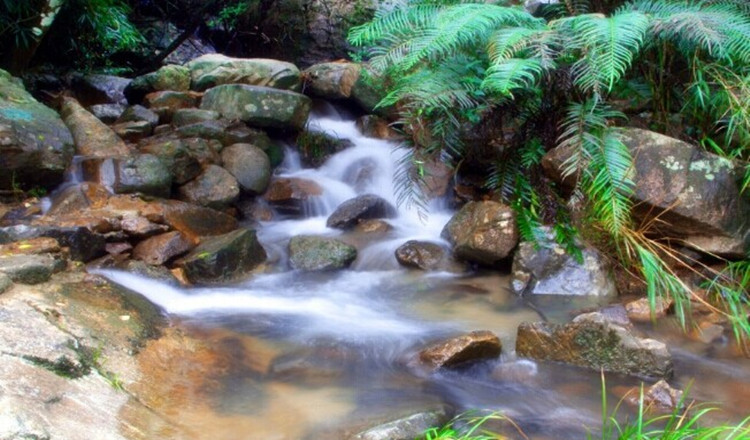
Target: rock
x,y
437,178
215,69
133,131
545,268
166,103
376,127
461,350
261,107
369,90
138,113
331,80
591,341
35,145
177,157
482,232
169,77
289,195
95,89
118,248
187,116
83,244
694,194
162,248
315,253
223,258
315,147
30,269
423,255
640,309
31,246
374,226
249,165
239,133
142,173
407,428
107,113
140,227
214,130
92,138
215,188
5,282
659,398
367,206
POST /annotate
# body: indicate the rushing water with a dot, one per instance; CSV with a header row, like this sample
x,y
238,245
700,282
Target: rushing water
x,y
341,346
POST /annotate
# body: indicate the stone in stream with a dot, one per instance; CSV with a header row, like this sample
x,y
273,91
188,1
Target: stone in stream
x,y
139,113
107,113
142,173
215,188
658,398
223,258
461,350
5,282
91,136
83,244
30,269
162,248
482,232
35,145
592,341
367,206
640,309
406,428
332,80
315,253
133,131
288,195
249,165
176,155
96,89
423,255
166,103
216,69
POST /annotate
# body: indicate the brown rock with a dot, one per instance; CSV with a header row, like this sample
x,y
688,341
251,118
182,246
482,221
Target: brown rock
x,y
482,232
91,136
141,227
658,398
118,248
376,127
75,198
166,103
373,226
421,255
289,195
161,248
455,352
640,309
215,188
31,246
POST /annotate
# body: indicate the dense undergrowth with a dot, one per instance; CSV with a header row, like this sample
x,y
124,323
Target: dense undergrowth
x,y
565,77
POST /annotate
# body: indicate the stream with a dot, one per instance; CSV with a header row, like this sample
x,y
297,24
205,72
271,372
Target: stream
x,y
335,352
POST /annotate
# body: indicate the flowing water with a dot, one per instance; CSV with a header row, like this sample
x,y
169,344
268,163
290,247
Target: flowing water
x,y
318,355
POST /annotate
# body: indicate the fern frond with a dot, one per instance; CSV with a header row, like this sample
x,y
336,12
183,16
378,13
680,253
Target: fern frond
x,y
511,74
399,21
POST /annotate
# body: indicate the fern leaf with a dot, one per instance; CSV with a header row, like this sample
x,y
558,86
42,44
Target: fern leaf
x,y
511,74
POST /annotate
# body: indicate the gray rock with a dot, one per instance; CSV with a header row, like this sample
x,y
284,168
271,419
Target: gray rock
x,y
545,268
315,253
223,258
133,131
211,129
142,173
107,113
35,145
406,428
187,116
166,103
178,157
137,113
592,341
215,188
94,89
30,269
367,206
261,107
249,165
482,232
215,69
461,350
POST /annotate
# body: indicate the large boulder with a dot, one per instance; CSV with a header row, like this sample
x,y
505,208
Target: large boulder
x,y
262,107
92,137
223,258
366,206
482,232
94,89
332,80
215,187
593,341
461,350
315,253
215,69
35,145
169,77
144,173
249,165
544,267
694,194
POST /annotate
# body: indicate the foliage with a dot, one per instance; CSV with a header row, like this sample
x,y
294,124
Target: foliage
x,y
452,65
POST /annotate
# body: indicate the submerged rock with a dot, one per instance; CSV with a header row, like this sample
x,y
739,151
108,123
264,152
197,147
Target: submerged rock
x,y
367,206
461,350
313,253
658,398
223,258
482,232
406,428
592,341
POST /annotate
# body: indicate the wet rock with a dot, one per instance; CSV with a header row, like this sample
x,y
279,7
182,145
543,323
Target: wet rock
x,y
367,206
316,147
640,309
169,77
519,371
182,161
482,232
35,145
289,195
658,398
545,268
223,258
215,69
707,332
315,253
96,89
139,113
133,131
5,282
423,255
142,173
261,107
140,227
437,178
31,246
255,210
214,129
461,350
249,165
162,248
331,80
369,90
187,116
166,103
91,136
30,269
196,221
215,188
83,244
694,194
376,127
407,428
107,113
239,133
373,226
591,341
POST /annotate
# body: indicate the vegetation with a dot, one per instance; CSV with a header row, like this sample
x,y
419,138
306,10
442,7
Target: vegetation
x,y
531,83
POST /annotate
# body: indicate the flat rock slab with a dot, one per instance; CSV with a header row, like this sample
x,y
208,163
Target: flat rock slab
x,y
593,341
30,269
461,350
